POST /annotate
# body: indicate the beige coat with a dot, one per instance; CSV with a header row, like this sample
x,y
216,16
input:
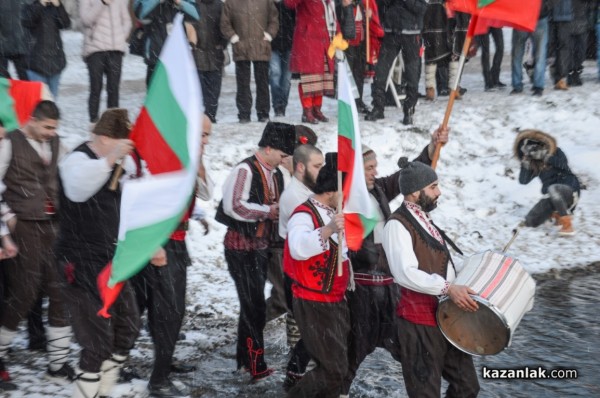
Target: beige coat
x,y
105,27
248,21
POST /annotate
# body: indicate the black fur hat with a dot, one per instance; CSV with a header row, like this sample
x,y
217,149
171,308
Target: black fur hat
x,y
327,178
280,136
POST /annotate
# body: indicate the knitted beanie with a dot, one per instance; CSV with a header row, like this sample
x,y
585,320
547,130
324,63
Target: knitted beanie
x,y
414,176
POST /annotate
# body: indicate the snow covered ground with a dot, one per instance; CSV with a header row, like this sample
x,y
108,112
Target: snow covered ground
x,y
481,203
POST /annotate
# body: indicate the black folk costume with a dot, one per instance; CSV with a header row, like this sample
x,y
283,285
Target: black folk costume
x,y
86,244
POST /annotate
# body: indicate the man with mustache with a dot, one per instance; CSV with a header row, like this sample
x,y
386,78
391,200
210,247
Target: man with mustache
x,y
420,263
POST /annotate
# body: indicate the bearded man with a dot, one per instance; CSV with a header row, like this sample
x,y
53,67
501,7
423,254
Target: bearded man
x,y
420,263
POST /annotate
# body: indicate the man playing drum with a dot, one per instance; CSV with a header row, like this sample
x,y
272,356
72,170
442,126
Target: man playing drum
x,y
420,263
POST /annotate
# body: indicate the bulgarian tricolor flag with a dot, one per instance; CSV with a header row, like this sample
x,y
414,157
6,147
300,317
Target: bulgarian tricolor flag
x,y
167,136
18,98
359,212
518,14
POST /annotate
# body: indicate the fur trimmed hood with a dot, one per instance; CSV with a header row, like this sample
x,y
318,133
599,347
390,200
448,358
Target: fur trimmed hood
x,y
536,135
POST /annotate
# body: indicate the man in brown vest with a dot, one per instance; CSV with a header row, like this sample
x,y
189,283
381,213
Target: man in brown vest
x,y
28,169
421,264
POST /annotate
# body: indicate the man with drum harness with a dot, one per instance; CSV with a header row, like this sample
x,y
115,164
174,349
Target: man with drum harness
x,y
420,263
375,295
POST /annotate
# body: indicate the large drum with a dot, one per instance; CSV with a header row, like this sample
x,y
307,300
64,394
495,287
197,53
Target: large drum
x,y
504,293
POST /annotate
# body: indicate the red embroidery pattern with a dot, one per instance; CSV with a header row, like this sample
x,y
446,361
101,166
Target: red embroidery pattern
x,y
425,218
238,207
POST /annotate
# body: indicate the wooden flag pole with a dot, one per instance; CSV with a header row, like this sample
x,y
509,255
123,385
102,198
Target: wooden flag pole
x,y
114,181
340,234
454,92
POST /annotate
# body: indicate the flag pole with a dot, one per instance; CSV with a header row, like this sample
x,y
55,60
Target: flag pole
x,y
368,36
340,234
114,181
454,92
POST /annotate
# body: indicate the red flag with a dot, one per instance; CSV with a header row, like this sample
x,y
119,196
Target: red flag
x,y
107,294
518,14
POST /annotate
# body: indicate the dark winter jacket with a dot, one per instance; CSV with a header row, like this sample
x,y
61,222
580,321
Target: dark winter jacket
x,y
553,169
435,31
371,257
579,24
44,24
547,7
287,22
12,33
157,17
208,52
403,16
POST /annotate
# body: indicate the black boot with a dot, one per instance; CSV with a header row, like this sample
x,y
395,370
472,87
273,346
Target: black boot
x,y
408,115
375,114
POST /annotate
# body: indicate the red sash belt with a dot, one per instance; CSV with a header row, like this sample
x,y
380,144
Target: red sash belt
x,y
372,280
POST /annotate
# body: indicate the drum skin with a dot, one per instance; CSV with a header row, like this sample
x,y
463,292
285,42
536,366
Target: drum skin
x,y
504,292
482,332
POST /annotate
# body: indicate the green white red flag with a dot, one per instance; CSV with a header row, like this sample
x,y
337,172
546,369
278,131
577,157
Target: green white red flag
x,y
167,136
18,98
360,214
518,14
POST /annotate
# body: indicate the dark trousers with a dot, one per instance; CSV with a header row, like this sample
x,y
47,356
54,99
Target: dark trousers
x,y
31,274
276,303
357,59
560,47
491,76
249,272
149,73
578,45
426,356
299,356
99,64
243,96
392,44
372,311
210,81
560,199
20,64
161,291
325,328
101,337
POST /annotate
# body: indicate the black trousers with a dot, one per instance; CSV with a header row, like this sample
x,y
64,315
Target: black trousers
x,y
372,311
249,272
559,46
299,356
426,356
32,274
243,96
325,328
391,46
99,64
560,199
161,291
491,76
101,337
210,81
357,59
20,64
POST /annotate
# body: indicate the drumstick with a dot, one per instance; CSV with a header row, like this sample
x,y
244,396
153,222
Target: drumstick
x,y
515,233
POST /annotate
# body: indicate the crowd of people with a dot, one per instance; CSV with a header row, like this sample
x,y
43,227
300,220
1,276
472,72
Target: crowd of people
x,y
289,39
279,205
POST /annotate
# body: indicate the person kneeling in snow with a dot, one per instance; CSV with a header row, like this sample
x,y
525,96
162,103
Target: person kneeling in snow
x,y
541,157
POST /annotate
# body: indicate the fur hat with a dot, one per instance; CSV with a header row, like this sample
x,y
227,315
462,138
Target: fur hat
x,y
327,178
305,135
280,136
414,176
368,153
113,123
533,136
